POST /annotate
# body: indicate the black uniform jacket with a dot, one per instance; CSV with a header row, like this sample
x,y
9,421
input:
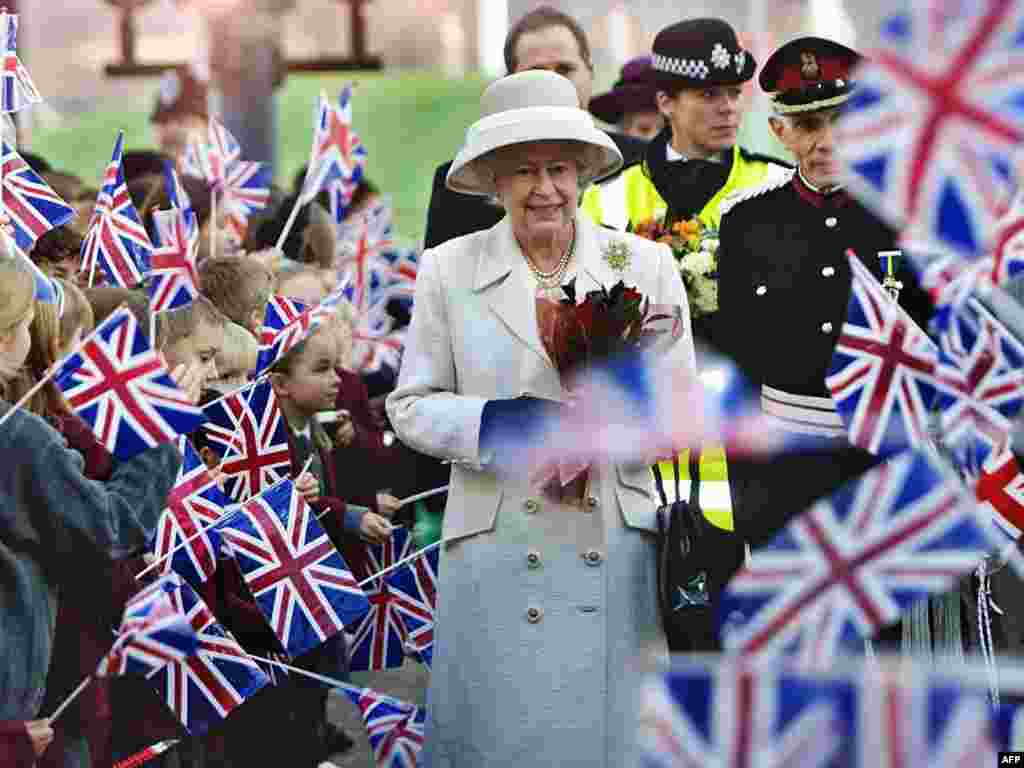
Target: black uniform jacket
x,y
784,286
686,186
453,214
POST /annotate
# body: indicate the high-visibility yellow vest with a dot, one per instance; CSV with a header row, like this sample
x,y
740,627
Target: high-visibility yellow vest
x,y
631,198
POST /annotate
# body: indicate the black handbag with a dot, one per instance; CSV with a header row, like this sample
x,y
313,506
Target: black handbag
x,y
690,578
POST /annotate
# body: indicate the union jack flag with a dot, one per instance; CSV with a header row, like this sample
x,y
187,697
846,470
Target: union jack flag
x,y
205,686
882,376
928,136
193,506
247,429
120,385
375,345
362,244
982,389
414,586
246,190
403,266
174,280
378,641
999,489
299,580
903,722
19,91
286,323
395,727
116,240
34,208
853,563
175,191
152,633
735,716
338,155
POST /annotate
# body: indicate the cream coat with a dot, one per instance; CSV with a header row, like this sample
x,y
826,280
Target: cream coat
x,y
474,338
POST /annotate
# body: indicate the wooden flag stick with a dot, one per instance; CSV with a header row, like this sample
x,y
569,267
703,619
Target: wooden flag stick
x,y
67,702
402,562
300,199
216,522
311,675
213,222
424,495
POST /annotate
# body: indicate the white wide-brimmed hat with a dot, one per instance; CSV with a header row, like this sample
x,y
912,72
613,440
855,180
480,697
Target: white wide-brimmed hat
x,y
526,107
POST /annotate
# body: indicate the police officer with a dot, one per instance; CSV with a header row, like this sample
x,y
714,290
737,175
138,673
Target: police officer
x,y
784,286
695,162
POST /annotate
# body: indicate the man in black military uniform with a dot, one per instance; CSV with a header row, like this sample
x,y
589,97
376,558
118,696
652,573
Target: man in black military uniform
x,y
784,287
548,39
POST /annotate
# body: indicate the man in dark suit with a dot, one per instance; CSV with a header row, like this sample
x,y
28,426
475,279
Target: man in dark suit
x,y
542,39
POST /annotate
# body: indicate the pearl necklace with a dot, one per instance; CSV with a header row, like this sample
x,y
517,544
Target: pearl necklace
x,y
554,277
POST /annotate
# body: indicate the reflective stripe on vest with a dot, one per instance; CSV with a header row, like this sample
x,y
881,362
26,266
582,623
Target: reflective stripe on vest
x,y
714,496
643,201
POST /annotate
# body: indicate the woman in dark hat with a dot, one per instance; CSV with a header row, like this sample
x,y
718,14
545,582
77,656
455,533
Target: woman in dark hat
x,y
700,68
631,105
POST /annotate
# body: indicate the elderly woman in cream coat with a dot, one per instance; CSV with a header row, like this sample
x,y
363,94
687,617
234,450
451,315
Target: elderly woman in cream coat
x,y
544,604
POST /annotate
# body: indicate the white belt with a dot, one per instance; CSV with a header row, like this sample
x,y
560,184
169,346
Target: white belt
x,y
802,414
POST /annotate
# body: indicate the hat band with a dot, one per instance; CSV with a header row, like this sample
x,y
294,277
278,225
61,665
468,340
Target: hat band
x,y
811,106
524,114
699,69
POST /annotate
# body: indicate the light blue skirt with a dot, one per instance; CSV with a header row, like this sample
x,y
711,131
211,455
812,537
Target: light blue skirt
x,y
542,627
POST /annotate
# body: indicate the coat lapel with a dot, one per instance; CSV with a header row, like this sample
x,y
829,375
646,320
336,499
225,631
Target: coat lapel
x,y
503,277
594,270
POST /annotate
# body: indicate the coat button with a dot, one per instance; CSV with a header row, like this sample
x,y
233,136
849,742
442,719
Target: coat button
x,y
531,506
826,327
761,290
533,559
592,557
591,504
828,271
831,221
534,614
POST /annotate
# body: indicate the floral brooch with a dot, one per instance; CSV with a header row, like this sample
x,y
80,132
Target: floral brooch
x,y
617,255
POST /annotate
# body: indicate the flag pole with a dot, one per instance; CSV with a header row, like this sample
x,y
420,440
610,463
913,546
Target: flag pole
x,y
144,756
300,200
299,203
402,562
67,702
424,495
311,675
152,566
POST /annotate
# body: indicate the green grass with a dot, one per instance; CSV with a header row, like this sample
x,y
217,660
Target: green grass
x,y
409,122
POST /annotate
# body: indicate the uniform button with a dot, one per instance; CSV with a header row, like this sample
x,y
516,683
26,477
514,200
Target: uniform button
x,y
533,559
591,504
828,271
531,506
592,557
826,327
534,614
840,83
761,290
831,221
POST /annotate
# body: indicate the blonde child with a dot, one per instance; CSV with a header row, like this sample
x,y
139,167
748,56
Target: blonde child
x,y
240,287
51,516
236,359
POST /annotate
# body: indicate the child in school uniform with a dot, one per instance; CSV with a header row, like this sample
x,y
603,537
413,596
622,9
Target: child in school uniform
x,y
53,518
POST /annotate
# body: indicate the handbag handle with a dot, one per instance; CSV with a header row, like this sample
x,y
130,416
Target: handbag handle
x,y
693,466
